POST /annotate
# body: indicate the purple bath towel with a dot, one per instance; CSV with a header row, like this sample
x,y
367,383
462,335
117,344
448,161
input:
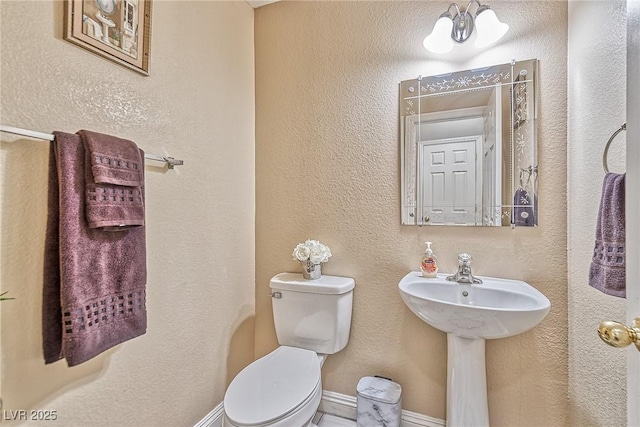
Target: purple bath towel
x,y
113,160
607,272
113,177
94,281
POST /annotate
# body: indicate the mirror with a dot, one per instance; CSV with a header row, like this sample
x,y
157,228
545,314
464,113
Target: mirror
x,y
468,147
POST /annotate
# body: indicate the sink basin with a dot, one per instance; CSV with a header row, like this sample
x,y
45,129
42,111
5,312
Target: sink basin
x,y
471,314
497,308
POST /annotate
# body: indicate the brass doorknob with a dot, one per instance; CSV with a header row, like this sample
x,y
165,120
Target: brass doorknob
x,y
618,335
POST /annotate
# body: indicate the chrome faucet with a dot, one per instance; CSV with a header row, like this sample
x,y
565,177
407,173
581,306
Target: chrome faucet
x,y
464,271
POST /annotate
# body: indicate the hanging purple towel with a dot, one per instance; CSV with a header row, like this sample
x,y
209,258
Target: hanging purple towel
x,y
113,180
607,272
524,212
94,280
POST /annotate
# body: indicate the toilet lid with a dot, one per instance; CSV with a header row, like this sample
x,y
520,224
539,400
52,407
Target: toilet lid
x,y
272,386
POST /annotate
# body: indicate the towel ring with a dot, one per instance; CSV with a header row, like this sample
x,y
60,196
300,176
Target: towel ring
x,y
606,147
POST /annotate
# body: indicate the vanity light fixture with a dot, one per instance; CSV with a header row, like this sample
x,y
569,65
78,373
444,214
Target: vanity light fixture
x,y
459,27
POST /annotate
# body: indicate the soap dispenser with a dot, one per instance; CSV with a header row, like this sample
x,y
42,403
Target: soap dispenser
x,y
429,263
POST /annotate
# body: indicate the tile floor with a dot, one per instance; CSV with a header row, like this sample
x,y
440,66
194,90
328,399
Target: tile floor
x,y
325,420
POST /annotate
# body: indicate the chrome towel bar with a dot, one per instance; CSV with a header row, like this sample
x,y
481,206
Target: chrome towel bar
x,y
170,161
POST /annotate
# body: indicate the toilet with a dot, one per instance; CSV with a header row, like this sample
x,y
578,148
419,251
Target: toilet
x,y
312,320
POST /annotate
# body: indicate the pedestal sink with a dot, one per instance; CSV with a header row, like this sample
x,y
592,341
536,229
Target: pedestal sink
x,y
471,314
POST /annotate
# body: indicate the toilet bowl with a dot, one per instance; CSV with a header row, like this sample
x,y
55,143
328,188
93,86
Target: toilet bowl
x,y
312,319
281,389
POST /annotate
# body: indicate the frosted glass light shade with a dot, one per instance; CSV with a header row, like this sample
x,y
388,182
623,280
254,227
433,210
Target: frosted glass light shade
x,y
439,41
489,28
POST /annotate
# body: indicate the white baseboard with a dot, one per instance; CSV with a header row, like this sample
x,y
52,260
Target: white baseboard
x,y
213,418
342,405
332,403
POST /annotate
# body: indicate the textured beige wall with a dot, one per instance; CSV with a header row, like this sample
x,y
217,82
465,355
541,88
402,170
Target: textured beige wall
x,y
198,105
597,105
327,77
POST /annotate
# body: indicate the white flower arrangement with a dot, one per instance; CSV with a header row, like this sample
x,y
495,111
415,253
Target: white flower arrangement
x,y
311,251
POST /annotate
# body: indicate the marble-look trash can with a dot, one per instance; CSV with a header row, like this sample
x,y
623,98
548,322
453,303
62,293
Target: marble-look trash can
x,y
378,402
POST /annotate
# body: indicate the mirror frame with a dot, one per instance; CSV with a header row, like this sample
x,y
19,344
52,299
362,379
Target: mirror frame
x,y
520,162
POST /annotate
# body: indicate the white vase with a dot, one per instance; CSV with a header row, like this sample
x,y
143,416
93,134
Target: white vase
x,y
311,271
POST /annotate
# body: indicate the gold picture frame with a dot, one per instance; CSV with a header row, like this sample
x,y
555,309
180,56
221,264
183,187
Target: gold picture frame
x,y
119,30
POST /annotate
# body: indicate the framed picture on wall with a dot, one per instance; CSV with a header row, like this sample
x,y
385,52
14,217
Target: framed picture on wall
x,y
119,30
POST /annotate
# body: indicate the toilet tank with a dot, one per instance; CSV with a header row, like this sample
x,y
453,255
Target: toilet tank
x,y
312,314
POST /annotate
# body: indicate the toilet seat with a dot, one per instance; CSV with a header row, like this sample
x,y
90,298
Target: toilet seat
x,y
273,387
